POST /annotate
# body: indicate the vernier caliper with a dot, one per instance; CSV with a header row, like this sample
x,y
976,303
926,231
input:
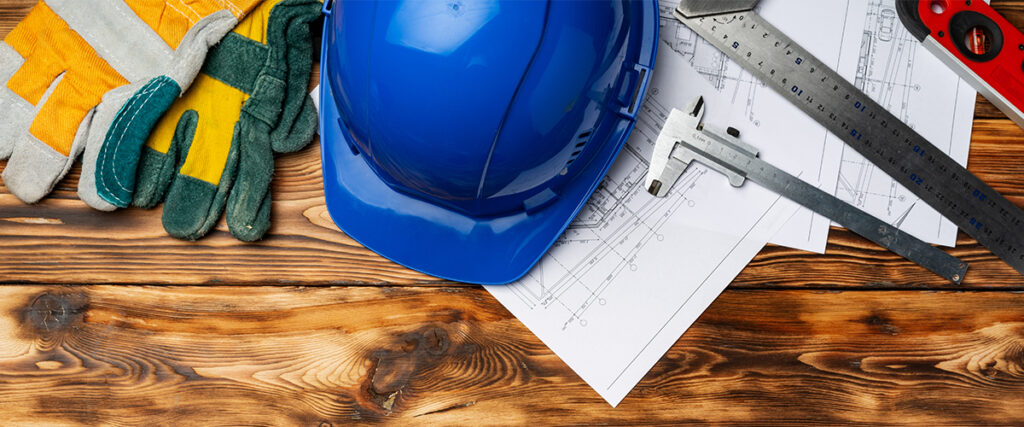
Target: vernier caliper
x,y
685,139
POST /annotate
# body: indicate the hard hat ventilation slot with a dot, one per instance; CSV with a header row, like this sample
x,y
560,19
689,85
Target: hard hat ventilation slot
x,y
581,140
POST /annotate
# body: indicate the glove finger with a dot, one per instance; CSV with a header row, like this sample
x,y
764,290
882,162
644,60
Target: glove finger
x,y
291,44
118,158
199,190
251,194
302,129
87,190
17,111
279,116
157,168
193,205
35,167
256,226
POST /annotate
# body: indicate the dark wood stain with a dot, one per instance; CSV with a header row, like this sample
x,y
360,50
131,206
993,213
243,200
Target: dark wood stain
x,y
51,314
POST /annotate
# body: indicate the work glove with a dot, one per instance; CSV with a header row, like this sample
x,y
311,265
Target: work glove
x,y
217,142
77,73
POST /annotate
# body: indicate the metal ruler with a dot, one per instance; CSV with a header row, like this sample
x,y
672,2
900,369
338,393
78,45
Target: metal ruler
x,y
879,136
685,139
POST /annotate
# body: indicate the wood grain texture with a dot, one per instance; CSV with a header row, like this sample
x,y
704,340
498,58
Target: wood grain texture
x,y
11,12
309,356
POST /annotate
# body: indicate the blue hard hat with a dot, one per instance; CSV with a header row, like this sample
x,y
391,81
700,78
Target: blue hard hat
x,y
460,137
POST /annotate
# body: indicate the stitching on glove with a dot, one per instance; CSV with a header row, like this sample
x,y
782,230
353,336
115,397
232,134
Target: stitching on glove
x,y
235,10
101,171
229,5
183,15
45,150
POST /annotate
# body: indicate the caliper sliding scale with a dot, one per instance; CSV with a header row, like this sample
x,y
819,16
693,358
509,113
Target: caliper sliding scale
x,y
733,27
685,139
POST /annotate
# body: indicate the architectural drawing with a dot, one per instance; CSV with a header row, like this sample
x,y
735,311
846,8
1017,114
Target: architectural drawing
x,y
893,69
610,231
885,69
725,76
881,58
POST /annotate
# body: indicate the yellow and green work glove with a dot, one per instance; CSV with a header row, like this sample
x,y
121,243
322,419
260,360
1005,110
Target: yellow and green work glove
x,y
79,74
216,144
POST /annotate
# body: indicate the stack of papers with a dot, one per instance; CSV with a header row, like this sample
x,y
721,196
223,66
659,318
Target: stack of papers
x,y
633,272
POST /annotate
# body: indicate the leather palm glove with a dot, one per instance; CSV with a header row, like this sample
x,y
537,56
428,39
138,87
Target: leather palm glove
x,y
216,144
75,69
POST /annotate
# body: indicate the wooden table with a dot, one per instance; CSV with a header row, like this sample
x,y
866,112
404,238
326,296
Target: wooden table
x,y
106,320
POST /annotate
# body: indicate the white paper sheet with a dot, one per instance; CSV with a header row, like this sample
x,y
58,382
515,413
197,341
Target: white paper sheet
x,y
634,271
315,94
820,27
895,70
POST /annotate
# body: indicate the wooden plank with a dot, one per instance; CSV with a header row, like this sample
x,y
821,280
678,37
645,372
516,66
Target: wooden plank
x,y
282,356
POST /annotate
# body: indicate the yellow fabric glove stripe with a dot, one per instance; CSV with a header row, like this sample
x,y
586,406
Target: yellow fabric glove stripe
x,y
171,19
254,27
163,132
218,107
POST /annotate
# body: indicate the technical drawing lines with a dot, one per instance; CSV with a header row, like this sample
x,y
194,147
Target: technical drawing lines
x,y
619,220
725,75
886,63
885,68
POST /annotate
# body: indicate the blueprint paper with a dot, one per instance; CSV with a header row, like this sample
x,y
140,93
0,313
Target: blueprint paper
x,y
633,272
895,70
821,28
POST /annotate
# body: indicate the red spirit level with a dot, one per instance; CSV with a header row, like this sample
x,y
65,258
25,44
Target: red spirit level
x,y
976,42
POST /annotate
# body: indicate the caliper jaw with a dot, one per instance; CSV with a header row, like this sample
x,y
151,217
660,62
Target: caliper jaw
x,y
684,139
665,168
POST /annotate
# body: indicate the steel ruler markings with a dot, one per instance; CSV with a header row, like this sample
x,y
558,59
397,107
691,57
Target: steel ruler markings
x,y
868,128
713,149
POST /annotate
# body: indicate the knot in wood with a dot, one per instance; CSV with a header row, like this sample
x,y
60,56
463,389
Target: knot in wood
x,y
435,341
397,365
52,313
